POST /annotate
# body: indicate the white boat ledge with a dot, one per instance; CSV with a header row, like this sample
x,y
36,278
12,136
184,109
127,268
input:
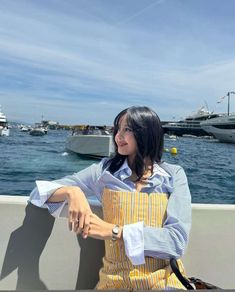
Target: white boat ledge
x,y
39,253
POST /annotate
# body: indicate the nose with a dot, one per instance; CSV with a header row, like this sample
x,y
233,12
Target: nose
x,y
120,134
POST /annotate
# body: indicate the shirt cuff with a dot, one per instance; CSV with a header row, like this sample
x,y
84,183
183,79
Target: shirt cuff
x,y
133,237
45,190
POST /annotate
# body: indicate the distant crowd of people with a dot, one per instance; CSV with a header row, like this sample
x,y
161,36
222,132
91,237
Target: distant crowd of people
x,y
91,130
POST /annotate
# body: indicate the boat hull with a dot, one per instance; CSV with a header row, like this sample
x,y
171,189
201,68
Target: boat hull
x,y
226,136
91,145
222,128
37,132
4,132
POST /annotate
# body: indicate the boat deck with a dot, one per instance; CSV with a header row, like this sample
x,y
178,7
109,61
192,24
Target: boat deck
x,y
39,253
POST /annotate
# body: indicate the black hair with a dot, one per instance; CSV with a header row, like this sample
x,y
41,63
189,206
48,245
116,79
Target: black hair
x,y
146,127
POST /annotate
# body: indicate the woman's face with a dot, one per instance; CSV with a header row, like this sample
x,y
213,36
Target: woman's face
x,y
125,140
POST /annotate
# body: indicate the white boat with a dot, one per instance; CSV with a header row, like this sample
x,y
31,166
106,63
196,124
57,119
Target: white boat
x,y
24,128
222,128
39,253
170,137
4,129
91,145
93,142
37,132
190,125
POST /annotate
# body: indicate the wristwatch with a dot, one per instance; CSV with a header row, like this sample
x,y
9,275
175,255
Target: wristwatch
x,y
115,232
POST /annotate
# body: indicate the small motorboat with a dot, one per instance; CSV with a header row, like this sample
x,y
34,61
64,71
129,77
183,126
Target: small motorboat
x,y
37,132
91,141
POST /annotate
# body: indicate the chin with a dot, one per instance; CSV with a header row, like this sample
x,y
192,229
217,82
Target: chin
x,y
122,153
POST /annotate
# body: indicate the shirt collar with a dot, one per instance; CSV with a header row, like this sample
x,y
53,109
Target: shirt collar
x,y
124,171
158,170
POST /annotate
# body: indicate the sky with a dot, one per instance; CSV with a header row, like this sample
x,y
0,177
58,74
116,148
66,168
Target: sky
x,y
83,61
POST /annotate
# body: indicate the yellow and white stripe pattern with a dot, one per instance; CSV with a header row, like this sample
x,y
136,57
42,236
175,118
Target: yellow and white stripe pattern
x,y
124,207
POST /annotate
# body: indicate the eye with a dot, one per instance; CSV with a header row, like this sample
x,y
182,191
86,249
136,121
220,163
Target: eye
x,y
127,129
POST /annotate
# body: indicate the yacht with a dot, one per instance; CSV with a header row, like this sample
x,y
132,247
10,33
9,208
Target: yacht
x,y
222,128
190,125
4,129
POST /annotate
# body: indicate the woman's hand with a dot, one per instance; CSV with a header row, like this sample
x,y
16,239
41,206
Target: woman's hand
x,y
101,229
79,211
81,218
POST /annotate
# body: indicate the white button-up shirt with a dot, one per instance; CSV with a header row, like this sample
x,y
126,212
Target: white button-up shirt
x,y
166,242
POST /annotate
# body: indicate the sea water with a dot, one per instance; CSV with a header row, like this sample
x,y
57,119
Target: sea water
x,y
209,165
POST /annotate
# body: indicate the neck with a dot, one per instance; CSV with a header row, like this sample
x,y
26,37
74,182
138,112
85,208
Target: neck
x,y
130,161
148,169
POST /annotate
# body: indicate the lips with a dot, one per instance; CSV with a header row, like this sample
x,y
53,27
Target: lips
x,y
121,144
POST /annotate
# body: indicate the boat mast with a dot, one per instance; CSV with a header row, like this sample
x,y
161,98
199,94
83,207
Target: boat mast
x,y
228,94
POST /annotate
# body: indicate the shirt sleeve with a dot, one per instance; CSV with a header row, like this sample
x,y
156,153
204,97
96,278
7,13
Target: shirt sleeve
x,y
85,179
170,240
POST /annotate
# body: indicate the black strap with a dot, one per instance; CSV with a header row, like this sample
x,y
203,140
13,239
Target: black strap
x,y
181,278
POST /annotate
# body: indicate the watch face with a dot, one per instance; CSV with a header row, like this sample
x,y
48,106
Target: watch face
x,y
115,230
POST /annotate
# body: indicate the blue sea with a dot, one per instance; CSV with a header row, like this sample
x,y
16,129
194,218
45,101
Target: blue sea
x,y
209,165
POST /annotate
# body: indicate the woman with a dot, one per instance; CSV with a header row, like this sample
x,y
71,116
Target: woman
x,y
146,205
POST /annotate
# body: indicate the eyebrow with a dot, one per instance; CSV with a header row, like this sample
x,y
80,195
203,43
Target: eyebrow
x,y
124,126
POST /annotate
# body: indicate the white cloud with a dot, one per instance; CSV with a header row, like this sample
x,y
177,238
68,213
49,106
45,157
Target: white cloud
x,y
70,53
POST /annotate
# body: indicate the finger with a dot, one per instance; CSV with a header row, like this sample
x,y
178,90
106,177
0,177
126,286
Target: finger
x,y
80,224
86,225
75,225
70,221
73,220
